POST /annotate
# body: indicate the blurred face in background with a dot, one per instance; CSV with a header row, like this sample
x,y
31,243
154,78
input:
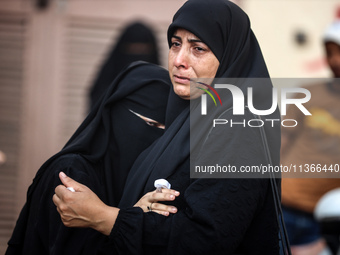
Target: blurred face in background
x,y
333,57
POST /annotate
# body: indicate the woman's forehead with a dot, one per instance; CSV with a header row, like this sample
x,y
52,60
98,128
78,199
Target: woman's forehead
x,y
182,31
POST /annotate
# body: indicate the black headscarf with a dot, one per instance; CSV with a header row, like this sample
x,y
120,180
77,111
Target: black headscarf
x,y
109,139
137,42
225,28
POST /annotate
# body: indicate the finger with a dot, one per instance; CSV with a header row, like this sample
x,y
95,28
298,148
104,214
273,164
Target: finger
x,y
155,197
56,200
69,182
163,208
170,191
161,212
60,212
61,191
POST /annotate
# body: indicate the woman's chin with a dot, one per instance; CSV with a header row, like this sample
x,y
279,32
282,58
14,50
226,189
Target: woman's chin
x,y
182,91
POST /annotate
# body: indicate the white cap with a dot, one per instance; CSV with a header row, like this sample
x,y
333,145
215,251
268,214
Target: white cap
x,y
328,206
332,33
162,183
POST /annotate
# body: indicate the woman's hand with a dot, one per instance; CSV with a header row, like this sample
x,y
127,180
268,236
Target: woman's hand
x,y
149,201
83,208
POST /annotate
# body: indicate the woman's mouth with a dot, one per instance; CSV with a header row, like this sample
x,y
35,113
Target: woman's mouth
x,y
181,79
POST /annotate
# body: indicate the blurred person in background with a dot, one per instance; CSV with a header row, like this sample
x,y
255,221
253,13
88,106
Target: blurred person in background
x,y
137,42
316,139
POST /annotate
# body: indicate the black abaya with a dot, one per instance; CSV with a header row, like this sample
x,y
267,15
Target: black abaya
x,y
215,216
99,155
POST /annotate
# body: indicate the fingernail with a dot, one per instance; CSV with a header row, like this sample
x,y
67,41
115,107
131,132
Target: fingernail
x,y
174,209
62,174
176,193
172,197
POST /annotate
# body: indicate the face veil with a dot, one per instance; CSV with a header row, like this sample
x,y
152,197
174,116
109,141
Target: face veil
x,y
111,137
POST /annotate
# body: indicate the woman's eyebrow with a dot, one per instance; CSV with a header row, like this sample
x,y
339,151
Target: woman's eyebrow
x,y
177,37
193,40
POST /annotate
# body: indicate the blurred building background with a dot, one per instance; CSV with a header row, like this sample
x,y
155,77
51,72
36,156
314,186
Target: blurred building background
x,y
50,52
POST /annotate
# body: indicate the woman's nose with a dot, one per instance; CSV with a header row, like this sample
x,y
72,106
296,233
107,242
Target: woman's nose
x,y
182,58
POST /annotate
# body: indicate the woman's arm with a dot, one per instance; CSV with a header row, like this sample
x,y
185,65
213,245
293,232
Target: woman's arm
x,y
84,209
216,216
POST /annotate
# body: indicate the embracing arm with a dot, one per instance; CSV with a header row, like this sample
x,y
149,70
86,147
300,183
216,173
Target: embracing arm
x,y
216,216
84,209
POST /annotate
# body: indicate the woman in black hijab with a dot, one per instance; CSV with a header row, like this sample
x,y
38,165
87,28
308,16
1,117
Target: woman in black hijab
x,y
100,155
214,216
137,43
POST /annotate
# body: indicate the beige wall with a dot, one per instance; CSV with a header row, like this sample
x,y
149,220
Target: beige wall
x,y
275,23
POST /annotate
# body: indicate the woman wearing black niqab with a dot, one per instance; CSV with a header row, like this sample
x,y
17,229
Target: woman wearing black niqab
x,y
215,216
100,155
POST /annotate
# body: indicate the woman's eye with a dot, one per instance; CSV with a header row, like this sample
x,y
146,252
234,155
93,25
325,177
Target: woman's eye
x,y
152,124
175,44
200,49
155,124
